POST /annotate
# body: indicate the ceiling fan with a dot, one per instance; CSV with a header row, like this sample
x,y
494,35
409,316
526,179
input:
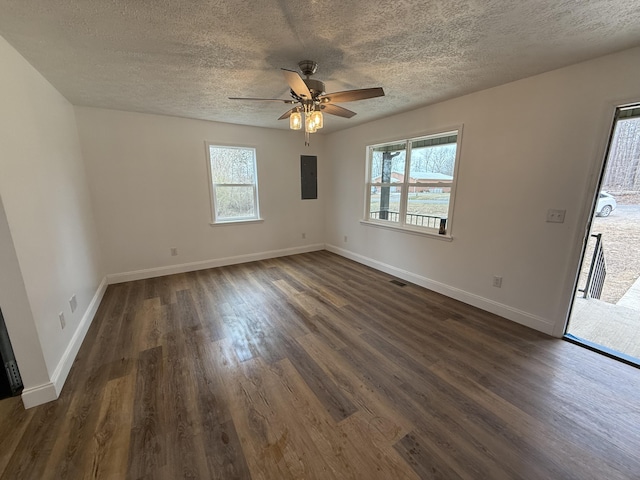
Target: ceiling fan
x,y
310,100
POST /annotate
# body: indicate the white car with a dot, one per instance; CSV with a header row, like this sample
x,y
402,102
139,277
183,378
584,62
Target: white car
x,y
605,205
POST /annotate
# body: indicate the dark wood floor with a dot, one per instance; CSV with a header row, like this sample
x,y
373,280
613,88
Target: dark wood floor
x,y
313,366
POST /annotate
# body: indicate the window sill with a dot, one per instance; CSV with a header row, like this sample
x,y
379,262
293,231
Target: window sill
x,y
412,231
236,222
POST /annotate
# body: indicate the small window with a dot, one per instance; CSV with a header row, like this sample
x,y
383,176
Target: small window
x,y
234,183
411,183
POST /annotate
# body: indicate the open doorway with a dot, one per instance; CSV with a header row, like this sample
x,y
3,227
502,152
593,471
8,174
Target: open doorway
x,y
605,315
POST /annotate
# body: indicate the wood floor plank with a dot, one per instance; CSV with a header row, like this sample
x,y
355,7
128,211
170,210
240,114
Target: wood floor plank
x,y
150,323
69,455
306,417
206,303
378,409
13,418
201,420
187,457
34,447
313,366
374,434
109,452
331,397
225,454
259,428
148,426
299,442
425,460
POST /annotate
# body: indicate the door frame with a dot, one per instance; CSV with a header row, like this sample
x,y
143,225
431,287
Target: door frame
x,y
595,184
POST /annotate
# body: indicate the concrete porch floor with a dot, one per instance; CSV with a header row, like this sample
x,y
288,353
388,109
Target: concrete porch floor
x,y
616,326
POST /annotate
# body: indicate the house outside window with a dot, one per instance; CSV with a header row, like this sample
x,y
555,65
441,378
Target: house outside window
x,y
233,181
411,183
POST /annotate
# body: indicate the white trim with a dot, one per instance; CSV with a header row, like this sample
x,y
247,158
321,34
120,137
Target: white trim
x,y
237,222
48,392
207,155
510,313
34,396
415,231
213,263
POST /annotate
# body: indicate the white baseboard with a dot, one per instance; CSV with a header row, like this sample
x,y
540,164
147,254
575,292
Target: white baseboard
x,y
202,265
48,392
34,396
510,313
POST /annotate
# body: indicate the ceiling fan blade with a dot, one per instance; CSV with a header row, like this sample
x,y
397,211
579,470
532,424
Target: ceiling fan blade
x,y
263,99
287,114
296,83
337,110
352,95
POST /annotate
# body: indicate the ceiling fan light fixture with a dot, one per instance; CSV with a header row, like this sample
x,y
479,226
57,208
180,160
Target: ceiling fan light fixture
x,y
295,121
309,125
317,119
310,99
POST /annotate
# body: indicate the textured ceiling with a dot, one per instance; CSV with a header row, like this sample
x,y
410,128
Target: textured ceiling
x,y
185,57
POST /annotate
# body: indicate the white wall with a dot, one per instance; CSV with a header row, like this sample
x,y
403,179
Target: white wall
x,y
17,312
150,190
527,146
48,210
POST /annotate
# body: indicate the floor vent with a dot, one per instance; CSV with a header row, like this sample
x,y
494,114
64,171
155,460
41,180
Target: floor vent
x,y
398,282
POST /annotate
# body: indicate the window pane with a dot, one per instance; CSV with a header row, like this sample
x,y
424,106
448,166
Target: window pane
x,y
232,165
432,163
425,207
385,203
387,163
234,202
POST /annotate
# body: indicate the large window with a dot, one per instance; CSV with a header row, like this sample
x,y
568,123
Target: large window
x,y
411,183
234,183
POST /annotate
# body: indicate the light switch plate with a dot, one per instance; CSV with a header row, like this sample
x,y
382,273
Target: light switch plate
x,y
555,216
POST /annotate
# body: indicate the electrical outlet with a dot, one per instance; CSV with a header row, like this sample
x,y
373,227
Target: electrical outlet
x,y
174,251
497,281
555,216
63,322
73,303
304,235
345,239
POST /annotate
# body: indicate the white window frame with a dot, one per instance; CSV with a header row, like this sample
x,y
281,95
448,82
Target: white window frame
x,y
405,186
213,187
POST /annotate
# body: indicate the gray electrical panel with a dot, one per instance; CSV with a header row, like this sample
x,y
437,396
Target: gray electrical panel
x,y
309,176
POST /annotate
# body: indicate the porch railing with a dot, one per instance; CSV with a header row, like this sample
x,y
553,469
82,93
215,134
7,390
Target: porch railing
x,y
412,218
597,271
